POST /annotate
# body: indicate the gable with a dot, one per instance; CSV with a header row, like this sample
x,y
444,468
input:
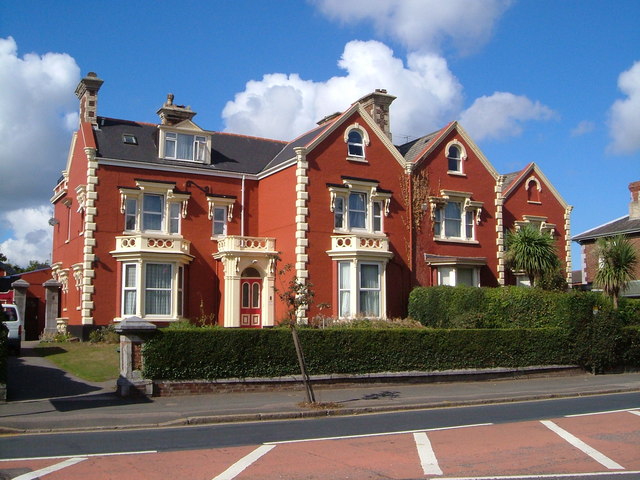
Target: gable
x,y
530,177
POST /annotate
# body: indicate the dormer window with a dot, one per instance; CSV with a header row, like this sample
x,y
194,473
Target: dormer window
x,y
356,139
455,157
181,146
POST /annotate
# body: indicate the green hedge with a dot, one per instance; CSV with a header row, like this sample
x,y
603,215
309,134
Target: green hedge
x,y
230,353
507,307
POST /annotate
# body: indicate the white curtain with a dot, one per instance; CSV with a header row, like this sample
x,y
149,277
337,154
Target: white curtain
x,y
158,289
369,290
185,147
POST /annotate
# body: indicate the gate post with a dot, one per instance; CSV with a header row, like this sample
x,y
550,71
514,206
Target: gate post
x,y
20,300
52,298
133,333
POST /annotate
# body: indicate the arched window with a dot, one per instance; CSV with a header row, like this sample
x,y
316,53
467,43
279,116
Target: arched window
x,y
454,158
533,190
355,144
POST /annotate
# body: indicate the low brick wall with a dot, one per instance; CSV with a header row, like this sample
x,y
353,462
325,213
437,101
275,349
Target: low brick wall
x,y
167,388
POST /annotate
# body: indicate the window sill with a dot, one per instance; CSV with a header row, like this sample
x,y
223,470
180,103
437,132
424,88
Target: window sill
x,y
456,173
534,202
367,233
357,159
457,240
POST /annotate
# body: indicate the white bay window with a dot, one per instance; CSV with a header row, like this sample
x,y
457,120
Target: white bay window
x,y
360,288
152,290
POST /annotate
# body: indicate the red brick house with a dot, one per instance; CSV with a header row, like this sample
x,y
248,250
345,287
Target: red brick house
x,y
171,221
628,225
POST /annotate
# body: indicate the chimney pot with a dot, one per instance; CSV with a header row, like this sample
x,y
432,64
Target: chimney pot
x,y
634,205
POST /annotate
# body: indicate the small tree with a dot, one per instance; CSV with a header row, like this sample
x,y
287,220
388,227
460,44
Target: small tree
x,y
532,252
617,260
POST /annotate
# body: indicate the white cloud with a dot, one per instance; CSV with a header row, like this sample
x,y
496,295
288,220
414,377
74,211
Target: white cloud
x,y
501,115
36,105
583,128
624,116
283,106
423,25
32,235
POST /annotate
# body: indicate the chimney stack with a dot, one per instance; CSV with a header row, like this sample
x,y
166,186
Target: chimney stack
x,y
171,114
634,206
377,104
87,93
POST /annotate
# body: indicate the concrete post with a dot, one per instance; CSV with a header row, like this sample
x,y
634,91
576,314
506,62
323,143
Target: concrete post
x,y
52,297
133,333
20,300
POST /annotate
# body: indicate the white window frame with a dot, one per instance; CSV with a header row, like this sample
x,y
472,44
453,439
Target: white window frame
x,y
171,140
218,203
459,160
376,206
470,216
453,271
129,289
365,142
173,209
349,288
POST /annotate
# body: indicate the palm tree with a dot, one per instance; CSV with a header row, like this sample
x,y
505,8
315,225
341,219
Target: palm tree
x,y
531,251
617,260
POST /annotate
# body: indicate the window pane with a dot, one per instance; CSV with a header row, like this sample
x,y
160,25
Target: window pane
x,y
357,210
170,145
446,276
437,221
452,221
338,213
220,220
344,292
130,275
185,147
245,295
469,225
377,217
356,148
369,276
454,159
152,212
130,213
369,290
129,302
174,218
465,277
158,289
255,293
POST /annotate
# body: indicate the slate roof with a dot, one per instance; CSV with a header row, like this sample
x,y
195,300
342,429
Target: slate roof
x,y
230,152
623,225
411,151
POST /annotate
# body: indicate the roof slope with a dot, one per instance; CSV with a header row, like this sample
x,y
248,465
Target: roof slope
x,y
623,225
230,152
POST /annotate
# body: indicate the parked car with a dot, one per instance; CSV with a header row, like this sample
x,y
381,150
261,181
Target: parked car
x,y
15,324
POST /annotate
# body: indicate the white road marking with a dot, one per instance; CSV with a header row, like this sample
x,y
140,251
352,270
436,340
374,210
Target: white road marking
x,y
580,445
427,456
535,477
635,412
53,468
602,413
77,456
237,468
366,435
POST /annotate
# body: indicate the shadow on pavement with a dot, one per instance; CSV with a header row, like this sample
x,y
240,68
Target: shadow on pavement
x,y
28,381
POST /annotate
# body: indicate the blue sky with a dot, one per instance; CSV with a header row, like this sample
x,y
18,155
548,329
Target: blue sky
x,y
554,82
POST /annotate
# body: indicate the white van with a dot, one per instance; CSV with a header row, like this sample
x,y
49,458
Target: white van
x,y
15,324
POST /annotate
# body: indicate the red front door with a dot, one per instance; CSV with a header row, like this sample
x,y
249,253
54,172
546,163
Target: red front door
x,y
250,311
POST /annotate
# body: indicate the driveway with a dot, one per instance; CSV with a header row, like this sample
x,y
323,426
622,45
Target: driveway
x,y
31,377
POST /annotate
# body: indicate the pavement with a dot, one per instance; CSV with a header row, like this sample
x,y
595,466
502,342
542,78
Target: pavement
x,y
43,398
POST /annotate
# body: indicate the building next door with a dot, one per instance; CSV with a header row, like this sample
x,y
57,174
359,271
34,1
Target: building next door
x,y
250,299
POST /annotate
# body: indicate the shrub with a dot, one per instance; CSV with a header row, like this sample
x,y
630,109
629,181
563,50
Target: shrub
x,y
629,311
104,335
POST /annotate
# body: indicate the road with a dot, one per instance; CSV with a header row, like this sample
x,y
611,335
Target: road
x,y
530,438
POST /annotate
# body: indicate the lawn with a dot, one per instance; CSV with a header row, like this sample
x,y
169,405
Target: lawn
x,y
95,362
